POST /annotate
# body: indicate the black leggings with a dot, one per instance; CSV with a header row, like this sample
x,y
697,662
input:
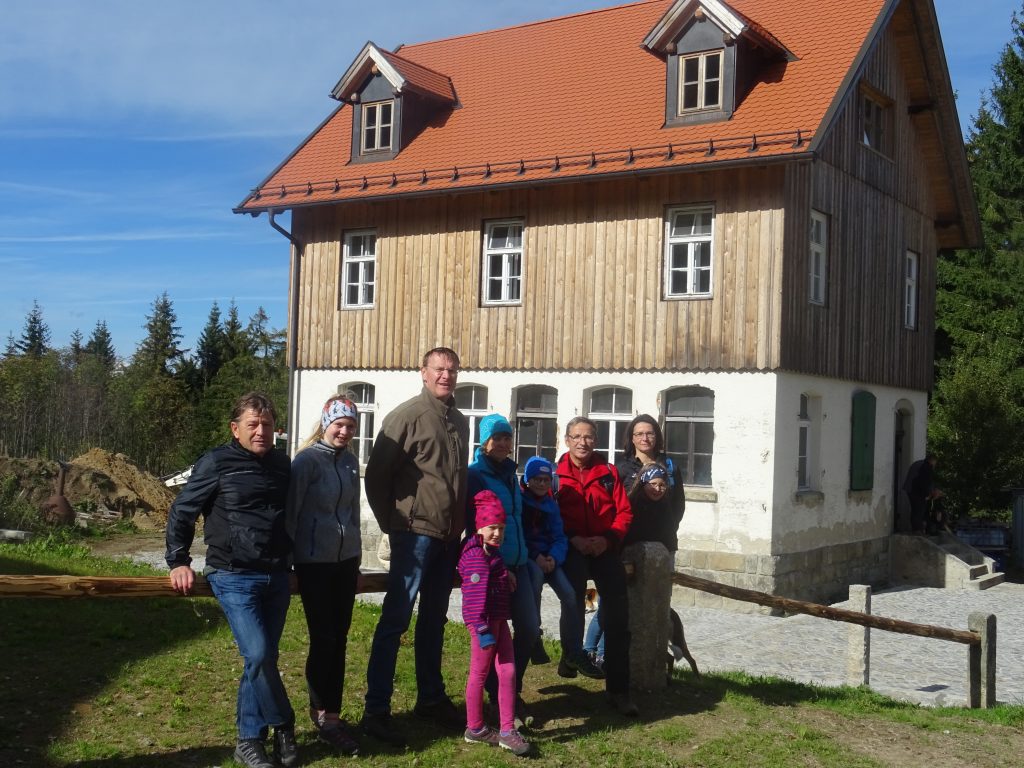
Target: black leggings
x,y
328,591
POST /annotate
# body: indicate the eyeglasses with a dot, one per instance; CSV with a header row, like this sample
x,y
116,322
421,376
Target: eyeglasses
x,y
644,435
582,438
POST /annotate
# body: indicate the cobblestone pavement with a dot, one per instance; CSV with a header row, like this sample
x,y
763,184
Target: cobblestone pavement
x,y
814,650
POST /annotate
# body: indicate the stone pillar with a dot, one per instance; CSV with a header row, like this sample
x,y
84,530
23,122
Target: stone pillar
x,y
982,661
650,597
858,658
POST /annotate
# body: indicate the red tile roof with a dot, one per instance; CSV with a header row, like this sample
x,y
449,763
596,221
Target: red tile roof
x,y
578,96
422,78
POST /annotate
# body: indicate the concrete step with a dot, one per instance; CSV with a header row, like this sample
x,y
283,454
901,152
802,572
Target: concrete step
x,y
986,581
977,571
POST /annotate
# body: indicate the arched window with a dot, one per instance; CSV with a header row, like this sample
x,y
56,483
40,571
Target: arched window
x,y
689,415
364,396
471,399
612,409
536,422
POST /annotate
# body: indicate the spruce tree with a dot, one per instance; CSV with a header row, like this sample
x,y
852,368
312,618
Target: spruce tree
x,y
159,350
101,346
35,338
977,422
236,340
210,349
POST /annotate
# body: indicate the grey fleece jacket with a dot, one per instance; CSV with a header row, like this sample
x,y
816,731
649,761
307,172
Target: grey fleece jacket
x,y
323,505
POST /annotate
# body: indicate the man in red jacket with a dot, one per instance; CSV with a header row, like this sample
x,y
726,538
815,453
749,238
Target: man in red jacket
x,y
596,516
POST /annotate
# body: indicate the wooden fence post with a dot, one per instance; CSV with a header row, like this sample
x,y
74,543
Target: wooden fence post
x,y
982,661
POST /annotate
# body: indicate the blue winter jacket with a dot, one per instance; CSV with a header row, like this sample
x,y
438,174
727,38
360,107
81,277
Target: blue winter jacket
x,y
486,474
542,526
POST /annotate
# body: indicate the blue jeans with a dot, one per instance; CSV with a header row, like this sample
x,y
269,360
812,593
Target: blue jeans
x,y
255,605
568,625
425,566
594,642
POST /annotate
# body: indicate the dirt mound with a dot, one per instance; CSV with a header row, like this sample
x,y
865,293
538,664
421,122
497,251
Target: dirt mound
x,y
106,480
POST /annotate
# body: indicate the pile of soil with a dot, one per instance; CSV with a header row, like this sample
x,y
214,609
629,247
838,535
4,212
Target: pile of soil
x,y
107,480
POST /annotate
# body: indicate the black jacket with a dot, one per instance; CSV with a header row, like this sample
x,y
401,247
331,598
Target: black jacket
x,y
242,498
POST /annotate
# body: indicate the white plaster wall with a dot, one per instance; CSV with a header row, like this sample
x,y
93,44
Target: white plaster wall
x,y
836,515
737,515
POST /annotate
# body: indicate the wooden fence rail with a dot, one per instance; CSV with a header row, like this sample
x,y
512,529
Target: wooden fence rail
x,y
980,639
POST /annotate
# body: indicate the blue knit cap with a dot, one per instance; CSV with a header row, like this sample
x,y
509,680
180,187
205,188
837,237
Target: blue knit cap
x,y
493,424
538,465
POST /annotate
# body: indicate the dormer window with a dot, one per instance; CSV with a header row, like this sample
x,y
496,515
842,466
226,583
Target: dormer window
x,y
700,82
377,123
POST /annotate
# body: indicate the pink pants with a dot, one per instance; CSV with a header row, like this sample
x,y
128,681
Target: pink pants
x,y
480,661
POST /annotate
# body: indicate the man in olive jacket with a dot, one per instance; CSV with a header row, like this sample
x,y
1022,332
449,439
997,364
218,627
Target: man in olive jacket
x,y
416,486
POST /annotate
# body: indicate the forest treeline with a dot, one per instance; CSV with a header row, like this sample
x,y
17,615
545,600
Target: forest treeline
x,y
161,406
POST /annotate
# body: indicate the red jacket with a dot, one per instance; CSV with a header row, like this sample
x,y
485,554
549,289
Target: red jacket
x,y
593,501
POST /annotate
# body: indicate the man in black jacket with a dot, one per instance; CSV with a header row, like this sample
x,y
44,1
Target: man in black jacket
x,y
240,490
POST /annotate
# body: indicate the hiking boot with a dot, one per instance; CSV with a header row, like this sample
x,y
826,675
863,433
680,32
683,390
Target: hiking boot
x,y
597,660
623,702
513,742
443,713
523,719
339,737
485,735
381,727
286,751
568,666
539,654
252,754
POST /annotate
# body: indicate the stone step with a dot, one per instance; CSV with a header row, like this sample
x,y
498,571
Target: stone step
x,y
986,581
977,571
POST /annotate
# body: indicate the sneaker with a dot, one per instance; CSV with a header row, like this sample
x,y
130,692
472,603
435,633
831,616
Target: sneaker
x,y
523,719
286,751
443,713
252,754
381,727
513,742
485,735
623,702
568,666
339,737
539,654
597,659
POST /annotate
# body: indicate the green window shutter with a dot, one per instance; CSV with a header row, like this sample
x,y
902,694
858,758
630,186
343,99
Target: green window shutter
x,y
862,442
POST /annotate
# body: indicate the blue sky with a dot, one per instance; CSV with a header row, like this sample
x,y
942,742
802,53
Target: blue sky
x,y
129,129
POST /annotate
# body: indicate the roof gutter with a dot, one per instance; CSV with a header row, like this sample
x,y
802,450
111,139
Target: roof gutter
x,y
295,258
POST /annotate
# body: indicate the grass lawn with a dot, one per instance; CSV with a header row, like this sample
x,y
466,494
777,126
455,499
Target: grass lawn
x,y
141,683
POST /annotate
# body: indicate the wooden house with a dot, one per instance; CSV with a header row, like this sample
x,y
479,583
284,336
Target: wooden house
x,y
723,214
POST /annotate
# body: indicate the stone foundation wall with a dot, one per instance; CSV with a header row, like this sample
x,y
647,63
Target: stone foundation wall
x,y
820,575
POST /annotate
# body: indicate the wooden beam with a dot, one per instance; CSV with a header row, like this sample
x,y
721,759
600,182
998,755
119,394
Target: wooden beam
x,y
827,612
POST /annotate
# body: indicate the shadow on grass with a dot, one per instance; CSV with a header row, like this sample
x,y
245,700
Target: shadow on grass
x,y
60,652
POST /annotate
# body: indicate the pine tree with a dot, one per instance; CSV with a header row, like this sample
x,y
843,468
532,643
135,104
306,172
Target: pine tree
x,y
101,346
35,338
75,347
210,349
977,422
159,349
236,341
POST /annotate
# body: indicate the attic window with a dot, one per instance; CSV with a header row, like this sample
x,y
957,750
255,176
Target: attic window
x,y
700,82
875,119
377,122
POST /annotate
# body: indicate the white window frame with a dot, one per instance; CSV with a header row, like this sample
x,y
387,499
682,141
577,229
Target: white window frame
x,y
701,82
808,443
371,138
548,416
818,262
911,274
685,456
365,264
364,396
692,243
614,420
510,277
475,410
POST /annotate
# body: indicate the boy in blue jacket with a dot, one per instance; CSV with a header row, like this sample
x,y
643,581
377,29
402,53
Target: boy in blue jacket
x,y
546,547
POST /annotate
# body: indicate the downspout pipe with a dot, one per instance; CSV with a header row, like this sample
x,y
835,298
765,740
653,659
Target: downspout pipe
x,y
293,328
